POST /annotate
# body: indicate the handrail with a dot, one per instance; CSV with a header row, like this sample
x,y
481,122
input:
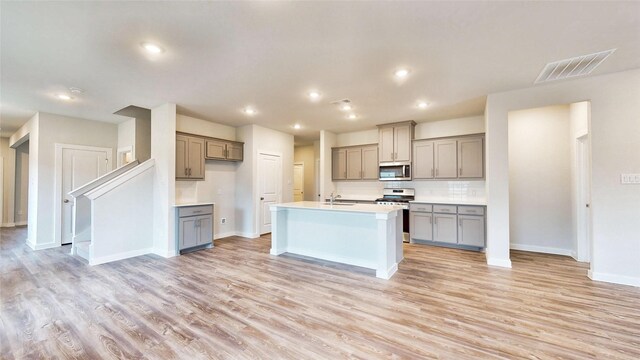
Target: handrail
x,y
82,190
119,180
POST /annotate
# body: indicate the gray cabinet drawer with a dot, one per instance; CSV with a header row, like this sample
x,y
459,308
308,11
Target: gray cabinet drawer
x,y
471,210
195,210
421,207
448,209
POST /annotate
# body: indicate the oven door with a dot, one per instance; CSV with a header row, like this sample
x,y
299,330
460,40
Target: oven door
x,y
395,172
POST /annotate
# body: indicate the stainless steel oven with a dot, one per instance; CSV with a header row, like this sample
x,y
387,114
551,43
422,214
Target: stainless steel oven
x,y
399,197
395,172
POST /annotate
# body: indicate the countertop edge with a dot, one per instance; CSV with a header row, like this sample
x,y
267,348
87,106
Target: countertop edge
x,y
193,204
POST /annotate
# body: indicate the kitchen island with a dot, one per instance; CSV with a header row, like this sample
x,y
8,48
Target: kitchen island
x,y
365,235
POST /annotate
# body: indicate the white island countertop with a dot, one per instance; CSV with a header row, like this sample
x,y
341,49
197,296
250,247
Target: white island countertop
x,y
450,201
337,206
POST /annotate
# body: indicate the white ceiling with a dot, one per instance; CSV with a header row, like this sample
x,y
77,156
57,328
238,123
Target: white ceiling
x,y
221,57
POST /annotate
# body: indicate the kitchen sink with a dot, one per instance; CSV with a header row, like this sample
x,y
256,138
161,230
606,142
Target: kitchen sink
x,y
339,204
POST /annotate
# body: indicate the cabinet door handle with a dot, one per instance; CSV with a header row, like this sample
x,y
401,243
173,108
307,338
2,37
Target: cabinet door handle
x,y
437,172
460,222
391,155
189,171
431,172
186,171
460,171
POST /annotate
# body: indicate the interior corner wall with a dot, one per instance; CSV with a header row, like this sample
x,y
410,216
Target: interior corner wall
x,y
21,184
8,183
305,154
163,150
245,193
540,180
327,141
615,149
143,139
578,127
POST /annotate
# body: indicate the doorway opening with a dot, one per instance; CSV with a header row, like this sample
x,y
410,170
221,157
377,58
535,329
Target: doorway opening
x,y
549,187
21,185
298,181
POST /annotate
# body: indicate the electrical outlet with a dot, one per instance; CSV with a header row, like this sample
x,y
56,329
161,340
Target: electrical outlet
x,y
630,178
223,220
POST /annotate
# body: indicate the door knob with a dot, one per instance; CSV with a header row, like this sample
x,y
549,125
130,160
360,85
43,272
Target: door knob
x,y
66,201
261,198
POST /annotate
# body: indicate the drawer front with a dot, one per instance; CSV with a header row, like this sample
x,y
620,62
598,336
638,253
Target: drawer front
x,y
195,210
471,210
421,207
447,209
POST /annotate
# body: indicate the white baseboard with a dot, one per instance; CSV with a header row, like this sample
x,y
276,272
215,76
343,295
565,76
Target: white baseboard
x,y
505,263
613,278
224,235
31,244
541,249
119,256
8,225
332,257
388,273
42,246
163,252
248,235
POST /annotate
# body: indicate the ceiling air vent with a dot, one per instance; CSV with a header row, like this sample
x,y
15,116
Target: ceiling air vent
x,y
569,68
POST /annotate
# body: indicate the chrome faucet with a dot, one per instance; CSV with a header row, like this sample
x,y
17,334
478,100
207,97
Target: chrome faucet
x,y
332,198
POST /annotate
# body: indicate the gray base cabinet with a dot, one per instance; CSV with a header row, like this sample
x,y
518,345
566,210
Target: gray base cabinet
x,y
460,226
194,226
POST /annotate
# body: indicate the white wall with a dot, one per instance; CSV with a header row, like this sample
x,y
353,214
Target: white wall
x,y
127,134
203,127
8,182
44,131
306,155
363,137
450,127
130,233
540,180
327,141
163,150
22,184
614,130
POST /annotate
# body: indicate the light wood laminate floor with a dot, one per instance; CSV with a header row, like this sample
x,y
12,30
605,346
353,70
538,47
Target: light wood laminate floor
x,y
236,301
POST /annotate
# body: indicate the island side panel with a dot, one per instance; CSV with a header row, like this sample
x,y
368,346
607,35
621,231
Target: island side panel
x,y
398,231
278,230
387,244
345,237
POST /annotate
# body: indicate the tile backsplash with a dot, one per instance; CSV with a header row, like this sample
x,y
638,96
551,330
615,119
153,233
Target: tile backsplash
x,y
455,189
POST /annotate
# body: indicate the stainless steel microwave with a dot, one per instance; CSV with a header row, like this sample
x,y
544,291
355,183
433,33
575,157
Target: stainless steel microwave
x,y
395,172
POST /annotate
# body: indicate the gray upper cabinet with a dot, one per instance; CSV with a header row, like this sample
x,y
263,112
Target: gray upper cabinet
x,y
189,158
339,164
355,163
445,159
218,149
394,142
370,163
470,158
423,160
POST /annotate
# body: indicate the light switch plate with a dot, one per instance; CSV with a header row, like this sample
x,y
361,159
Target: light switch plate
x,y
630,178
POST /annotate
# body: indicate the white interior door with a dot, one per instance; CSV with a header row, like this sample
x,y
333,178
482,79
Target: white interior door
x,y
269,175
79,166
317,178
298,182
583,231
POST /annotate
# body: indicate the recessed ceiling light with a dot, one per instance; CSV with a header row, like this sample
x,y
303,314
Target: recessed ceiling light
x,y
401,73
346,107
422,105
64,97
152,48
249,111
296,126
352,116
314,95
